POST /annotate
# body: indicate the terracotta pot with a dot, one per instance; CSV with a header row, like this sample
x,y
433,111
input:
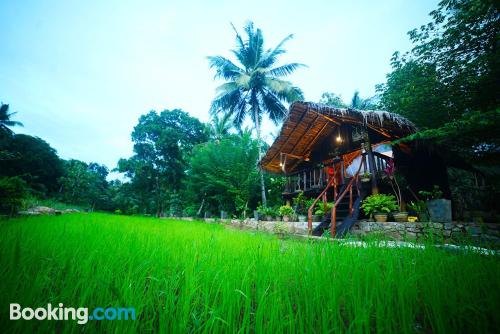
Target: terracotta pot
x,y
400,217
269,218
286,218
380,217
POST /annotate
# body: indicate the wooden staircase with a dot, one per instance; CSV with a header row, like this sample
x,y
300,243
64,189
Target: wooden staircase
x,y
347,202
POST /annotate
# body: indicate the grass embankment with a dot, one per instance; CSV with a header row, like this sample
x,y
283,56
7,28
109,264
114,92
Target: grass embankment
x,y
188,277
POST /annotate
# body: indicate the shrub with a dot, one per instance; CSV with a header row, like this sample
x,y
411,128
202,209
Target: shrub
x,y
379,203
286,210
266,211
14,191
300,203
319,208
435,193
281,229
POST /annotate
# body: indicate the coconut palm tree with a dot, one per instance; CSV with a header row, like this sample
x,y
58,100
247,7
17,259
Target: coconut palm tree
x,y
5,121
254,87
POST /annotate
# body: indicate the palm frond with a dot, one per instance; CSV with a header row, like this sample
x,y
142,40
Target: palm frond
x,y
284,70
276,110
271,55
284,90
224,102
225,68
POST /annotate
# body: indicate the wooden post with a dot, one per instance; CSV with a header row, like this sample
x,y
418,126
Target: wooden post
x,y
371,161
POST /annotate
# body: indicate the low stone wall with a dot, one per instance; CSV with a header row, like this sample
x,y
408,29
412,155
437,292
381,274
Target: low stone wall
x,y
420,230
489,232
269,226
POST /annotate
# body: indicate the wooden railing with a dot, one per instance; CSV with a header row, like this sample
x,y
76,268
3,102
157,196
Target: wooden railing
x,y
308,179
381,162
348,188
333,183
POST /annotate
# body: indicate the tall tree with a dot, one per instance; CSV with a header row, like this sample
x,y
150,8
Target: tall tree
x,y
84,184
332,100
162,145
255,87
448,83
32,159
222,175
5,119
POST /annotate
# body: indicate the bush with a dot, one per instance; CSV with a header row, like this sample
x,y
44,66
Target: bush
x,y
14,191
379,203
281,229
286,210
319,208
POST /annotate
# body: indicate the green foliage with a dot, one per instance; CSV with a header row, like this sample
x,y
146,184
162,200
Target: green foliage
x,y
223,174
281,229
448,84
13,192
474,135
84,184
418,206
162,145
255,87
5,120
379,203
275,185
300,203
332,100
435,193
34,160
320,208
286,210
194,277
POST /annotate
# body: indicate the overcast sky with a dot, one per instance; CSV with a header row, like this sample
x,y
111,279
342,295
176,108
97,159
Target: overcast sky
x,y
80,73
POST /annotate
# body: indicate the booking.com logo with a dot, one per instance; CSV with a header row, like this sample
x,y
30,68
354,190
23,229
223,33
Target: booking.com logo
x,y
80,314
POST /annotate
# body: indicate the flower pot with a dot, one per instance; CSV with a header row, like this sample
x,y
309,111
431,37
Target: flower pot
x,y
269,218
365,179
412,219
400,217
302,218
380,217
286,218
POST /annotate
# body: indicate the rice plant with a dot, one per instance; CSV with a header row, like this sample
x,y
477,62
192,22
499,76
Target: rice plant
x,y
195,277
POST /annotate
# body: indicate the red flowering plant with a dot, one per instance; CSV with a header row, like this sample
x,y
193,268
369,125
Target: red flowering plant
x,y
390,174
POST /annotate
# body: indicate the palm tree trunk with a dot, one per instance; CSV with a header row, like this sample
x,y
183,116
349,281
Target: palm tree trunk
x,y
259,144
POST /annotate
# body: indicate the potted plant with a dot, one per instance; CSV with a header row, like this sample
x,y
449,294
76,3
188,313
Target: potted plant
x,y
286,212
366,176
261,213
301,207
379,205
438,207
420,208
390,173
270,214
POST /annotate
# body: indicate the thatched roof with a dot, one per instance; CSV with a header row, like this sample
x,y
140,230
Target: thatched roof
x,y
310,123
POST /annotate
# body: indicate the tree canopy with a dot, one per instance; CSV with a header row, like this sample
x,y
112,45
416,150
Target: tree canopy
x,y
448,83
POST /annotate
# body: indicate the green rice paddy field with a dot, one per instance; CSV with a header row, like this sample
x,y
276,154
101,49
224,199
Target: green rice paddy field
x,y
194,277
